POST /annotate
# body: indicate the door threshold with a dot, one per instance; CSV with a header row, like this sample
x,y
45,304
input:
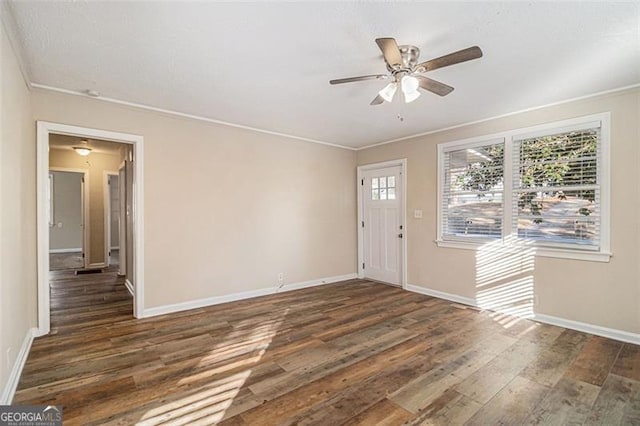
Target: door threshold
x,y
89,271
383,282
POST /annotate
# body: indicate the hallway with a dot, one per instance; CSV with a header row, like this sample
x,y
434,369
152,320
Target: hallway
x,y
81,302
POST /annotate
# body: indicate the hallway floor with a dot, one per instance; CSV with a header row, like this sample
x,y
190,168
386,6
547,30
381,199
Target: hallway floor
x,y
64,261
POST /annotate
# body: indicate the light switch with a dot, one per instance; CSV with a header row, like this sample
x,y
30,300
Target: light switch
x,y
417,214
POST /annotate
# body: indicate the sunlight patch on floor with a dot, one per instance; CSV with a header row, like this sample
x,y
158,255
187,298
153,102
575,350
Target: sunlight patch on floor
x,y
504,279
213,400
240,349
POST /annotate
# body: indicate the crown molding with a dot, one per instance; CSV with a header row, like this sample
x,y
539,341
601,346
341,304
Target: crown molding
x,y
495,117
8,24
185,115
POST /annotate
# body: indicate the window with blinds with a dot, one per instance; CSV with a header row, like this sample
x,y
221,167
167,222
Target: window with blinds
x,y
556,188
473,193
547,183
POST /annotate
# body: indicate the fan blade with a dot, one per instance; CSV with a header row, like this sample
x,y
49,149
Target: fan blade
x,y
434,86
361,78
377,100
390,51
450,59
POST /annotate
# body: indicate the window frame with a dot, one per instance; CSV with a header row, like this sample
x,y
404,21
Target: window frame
x,y
544,249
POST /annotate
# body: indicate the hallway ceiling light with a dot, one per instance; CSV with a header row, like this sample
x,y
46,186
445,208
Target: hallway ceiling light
x,y
83,149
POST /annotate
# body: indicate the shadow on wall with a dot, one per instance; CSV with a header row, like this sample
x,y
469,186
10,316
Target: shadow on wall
x,y
504,279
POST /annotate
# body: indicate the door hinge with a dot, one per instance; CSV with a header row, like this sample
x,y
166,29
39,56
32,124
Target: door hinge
x,y
362,182
83,255
82,179
362,265
363,223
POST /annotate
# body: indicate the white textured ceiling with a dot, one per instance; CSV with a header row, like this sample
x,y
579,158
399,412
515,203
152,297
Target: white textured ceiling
x,y
267,65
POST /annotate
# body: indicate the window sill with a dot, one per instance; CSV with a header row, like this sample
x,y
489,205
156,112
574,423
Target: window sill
x,y
594,256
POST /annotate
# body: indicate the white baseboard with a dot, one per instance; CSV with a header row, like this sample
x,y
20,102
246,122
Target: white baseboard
x,y
66,250
115,248
129,286
209,301
611,333
441,295
14,377
314,283
97,265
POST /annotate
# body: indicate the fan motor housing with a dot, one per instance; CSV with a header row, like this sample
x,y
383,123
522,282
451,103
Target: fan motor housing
x,y
410,55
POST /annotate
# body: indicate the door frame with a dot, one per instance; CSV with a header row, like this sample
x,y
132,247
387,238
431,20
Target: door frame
x,y
44,129
122,237
106,193
403,213
84,200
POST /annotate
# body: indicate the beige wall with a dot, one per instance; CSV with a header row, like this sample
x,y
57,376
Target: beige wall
x,y
227,209
67,211
605,294
18,300
97,164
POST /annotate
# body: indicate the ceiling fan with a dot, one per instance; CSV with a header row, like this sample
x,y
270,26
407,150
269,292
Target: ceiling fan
x,y
402,64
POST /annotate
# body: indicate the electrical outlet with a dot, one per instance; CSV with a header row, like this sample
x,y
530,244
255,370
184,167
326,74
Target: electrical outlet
x,y
280,279
417,214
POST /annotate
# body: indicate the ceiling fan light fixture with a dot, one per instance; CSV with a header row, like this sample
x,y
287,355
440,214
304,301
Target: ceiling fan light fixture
x,y
388,91
403,67
410,86
411,97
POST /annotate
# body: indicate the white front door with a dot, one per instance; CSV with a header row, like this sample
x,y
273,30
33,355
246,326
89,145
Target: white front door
x,y
383,224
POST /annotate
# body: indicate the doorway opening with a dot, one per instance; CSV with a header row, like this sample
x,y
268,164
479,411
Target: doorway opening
x,y
90,210
67,212
382,233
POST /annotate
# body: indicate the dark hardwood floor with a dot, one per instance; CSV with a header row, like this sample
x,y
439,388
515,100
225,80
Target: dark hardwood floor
x,y
355,352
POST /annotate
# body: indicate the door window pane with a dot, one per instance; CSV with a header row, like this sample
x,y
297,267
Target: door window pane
x,y
383,188
391,193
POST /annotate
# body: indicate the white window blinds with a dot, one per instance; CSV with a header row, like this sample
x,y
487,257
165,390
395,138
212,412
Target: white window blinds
x,y
556,187
473,191
547,183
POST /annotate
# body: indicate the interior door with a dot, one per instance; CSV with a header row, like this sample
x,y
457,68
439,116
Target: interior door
x,y
122,238
114,213
383,224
